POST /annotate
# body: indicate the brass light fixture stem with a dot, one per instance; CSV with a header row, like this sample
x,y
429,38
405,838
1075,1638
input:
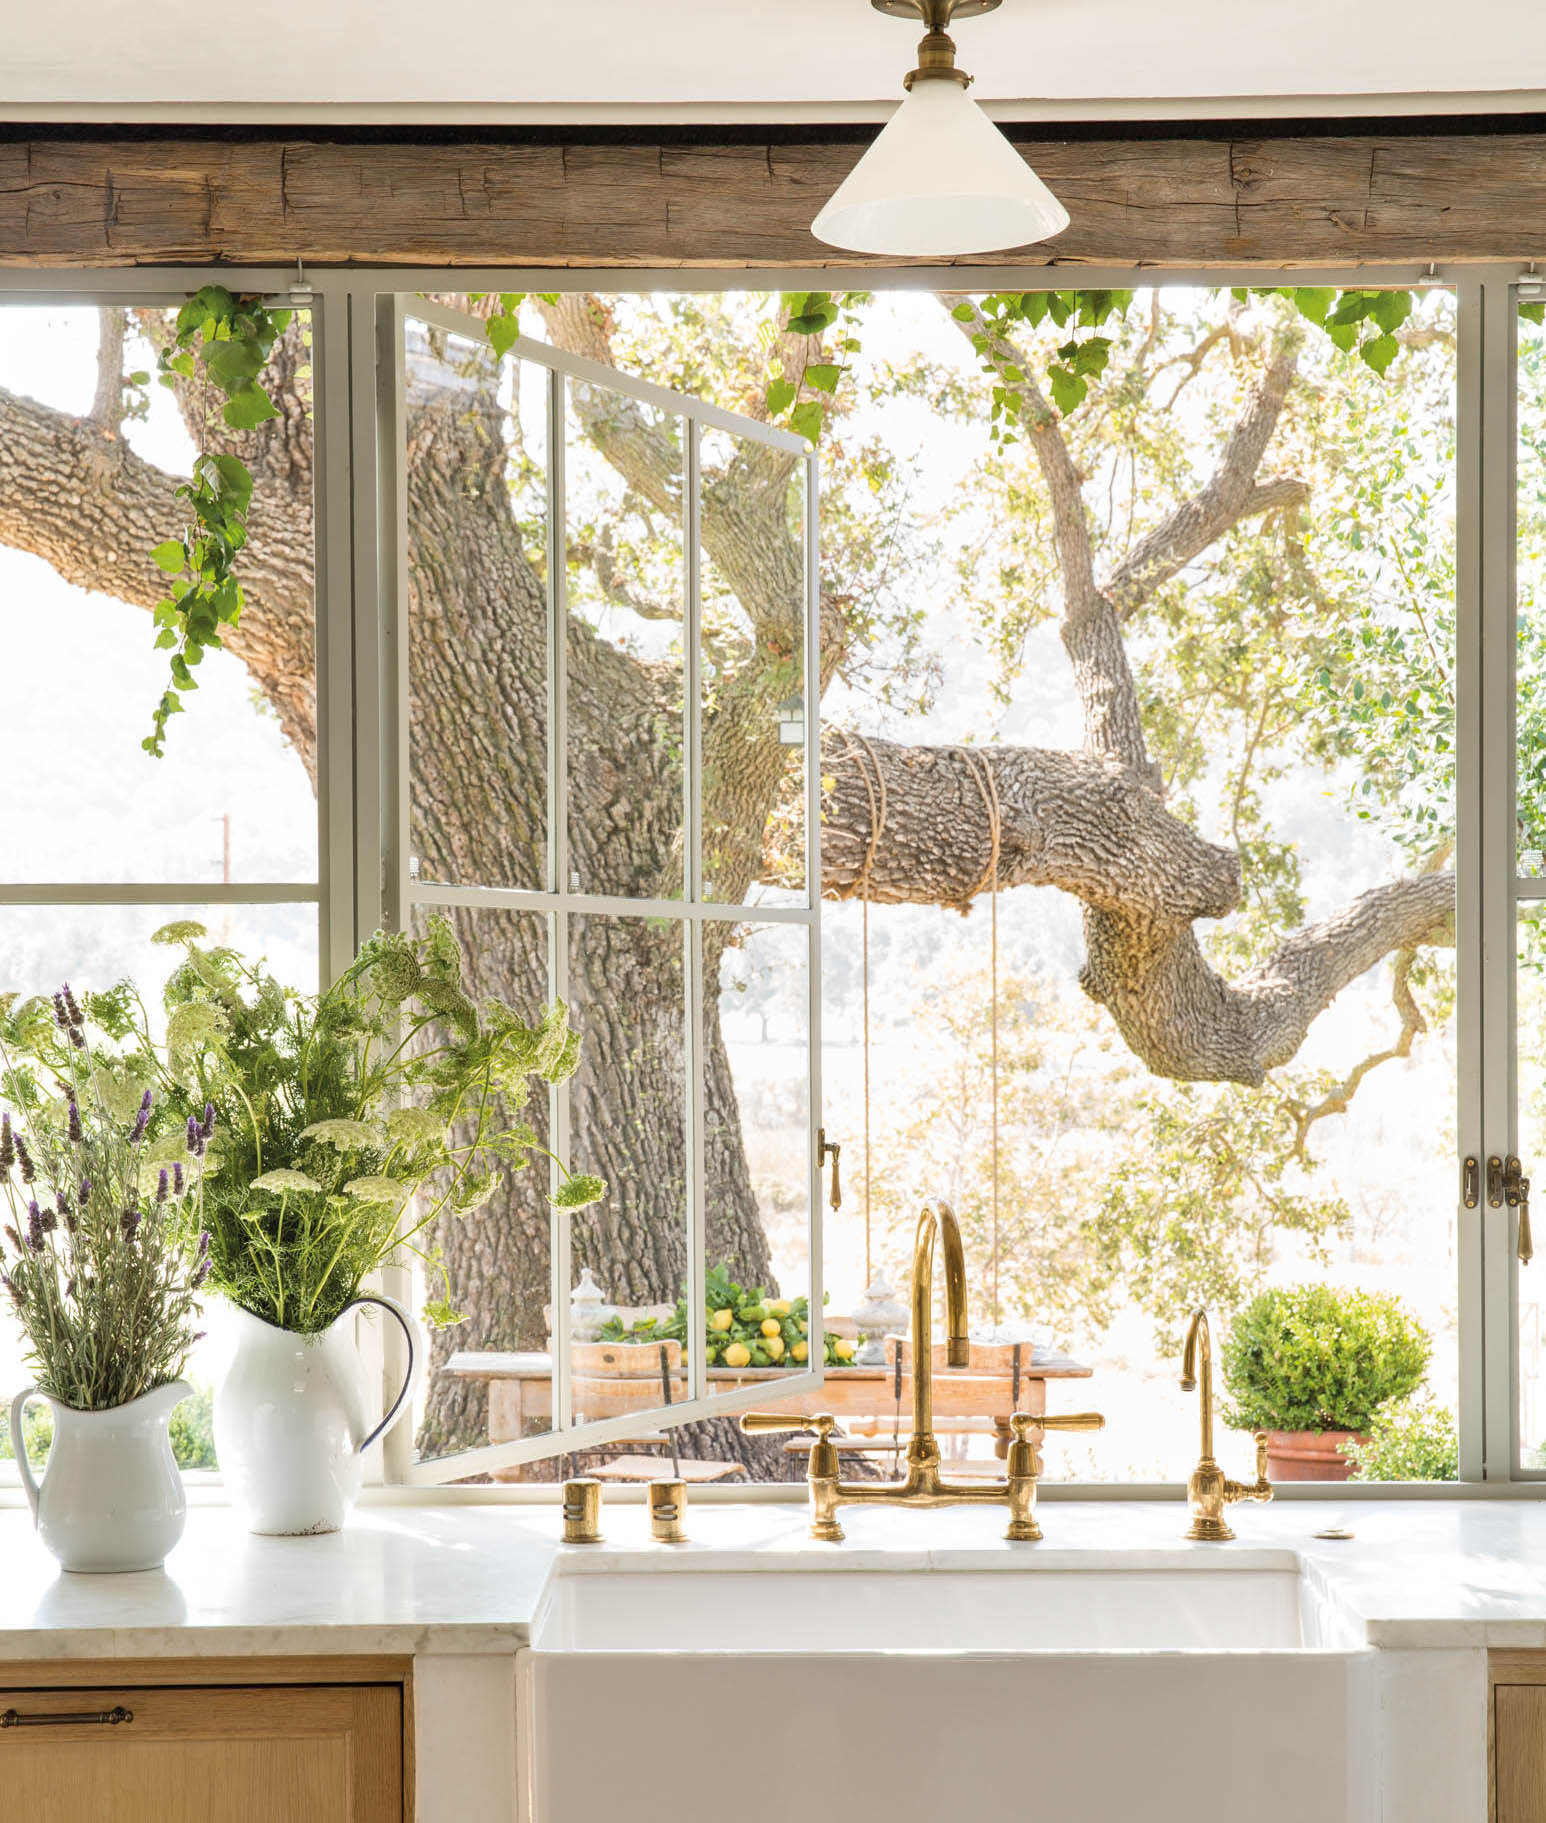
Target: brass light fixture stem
x,y
937,51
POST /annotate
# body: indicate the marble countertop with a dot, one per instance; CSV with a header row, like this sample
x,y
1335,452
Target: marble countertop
x,y
467,1579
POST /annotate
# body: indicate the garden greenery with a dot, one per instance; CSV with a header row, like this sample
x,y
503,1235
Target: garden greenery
x,y
1315,1358
104,1254
741,1327
329,1113
1410,1440
229,339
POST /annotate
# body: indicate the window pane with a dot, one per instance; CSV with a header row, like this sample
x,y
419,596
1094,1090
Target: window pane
x,y
476,454
752,585
1292,682
1530,594
233,798
758,1138
623,526
490,1377
628,1124
93,947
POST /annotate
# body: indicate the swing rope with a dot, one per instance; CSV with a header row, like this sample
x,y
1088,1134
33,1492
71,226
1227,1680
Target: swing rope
x,y
982,772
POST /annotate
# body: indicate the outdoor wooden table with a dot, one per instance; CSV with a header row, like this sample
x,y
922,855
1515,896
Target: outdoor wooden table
x,y
520,1391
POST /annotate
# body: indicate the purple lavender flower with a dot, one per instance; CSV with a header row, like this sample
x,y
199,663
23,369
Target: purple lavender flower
x,y
195,1138
69,1288
10,1285
163,1184
34,1228
85,1192
62,1201
71,1224
7,1144
61,1014
13,1237
76,1016
49,1220
129,1222
142,1119
74,1128
207,1128
24,1159
203,1243
200,1273
177,1177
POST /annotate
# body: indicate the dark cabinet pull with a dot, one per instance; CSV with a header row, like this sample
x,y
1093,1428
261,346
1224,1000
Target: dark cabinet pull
x,y
109,1718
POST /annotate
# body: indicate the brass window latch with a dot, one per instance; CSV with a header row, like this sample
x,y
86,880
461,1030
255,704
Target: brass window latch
x,y
1506,1184
833,1149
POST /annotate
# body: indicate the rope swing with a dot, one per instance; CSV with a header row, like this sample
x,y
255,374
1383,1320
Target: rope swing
x,y
858,748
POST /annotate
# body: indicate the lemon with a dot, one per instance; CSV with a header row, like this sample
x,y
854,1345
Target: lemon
x,y
772,1327
779,1307
805,1328
721,1319
738,1355
843,1349
799,1351
774,1346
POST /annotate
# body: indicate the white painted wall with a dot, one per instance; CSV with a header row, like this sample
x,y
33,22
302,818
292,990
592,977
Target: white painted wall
x,y
464,1739
723,58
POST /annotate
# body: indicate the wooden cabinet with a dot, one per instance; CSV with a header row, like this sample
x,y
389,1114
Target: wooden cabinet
x,y
133,1751
1517,1725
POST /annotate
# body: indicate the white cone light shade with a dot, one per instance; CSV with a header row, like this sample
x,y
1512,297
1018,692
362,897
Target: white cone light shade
x,y
939,181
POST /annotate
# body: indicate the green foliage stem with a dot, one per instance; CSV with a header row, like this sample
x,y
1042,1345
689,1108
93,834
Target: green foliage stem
x,y
229,339
1315,1358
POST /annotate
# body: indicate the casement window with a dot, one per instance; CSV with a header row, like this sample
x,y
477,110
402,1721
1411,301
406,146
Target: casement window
x,y
530,670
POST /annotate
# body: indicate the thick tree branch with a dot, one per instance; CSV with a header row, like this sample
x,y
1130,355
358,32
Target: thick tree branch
x,y
94,510
1080,822
107,403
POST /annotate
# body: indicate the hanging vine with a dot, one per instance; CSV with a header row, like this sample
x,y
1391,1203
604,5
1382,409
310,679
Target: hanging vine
x,y
227,339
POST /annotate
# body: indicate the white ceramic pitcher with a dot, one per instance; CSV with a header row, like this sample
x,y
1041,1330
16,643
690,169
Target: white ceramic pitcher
x,y
291,1420
110,1497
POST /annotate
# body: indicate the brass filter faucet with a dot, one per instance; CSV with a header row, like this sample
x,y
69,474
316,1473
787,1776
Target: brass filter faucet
x,y
924,1485
1209,1491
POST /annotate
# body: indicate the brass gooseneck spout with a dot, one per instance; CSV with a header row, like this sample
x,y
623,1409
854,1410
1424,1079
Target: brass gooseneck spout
x,y
923,1484
1209,1491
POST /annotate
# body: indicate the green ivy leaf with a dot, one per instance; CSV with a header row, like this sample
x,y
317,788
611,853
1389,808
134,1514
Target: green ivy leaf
x,y
780,396
806,420
171,556
823,376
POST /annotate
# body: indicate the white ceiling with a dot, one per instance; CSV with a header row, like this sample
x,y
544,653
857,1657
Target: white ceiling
x,y
703,60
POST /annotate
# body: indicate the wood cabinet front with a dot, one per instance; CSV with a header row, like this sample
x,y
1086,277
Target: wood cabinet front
x,y
262,1754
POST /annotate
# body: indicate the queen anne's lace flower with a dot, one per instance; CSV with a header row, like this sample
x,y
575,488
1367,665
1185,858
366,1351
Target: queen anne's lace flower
x,y
376,1190
284,1180
346,1135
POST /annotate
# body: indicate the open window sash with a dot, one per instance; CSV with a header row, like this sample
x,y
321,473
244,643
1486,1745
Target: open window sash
x,y
617,574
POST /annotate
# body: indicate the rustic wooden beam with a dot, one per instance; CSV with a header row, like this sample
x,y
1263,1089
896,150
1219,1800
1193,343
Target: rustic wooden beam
x,y
72,200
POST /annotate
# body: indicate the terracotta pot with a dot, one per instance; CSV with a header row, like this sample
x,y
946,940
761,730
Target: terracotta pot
x,y
1309,1455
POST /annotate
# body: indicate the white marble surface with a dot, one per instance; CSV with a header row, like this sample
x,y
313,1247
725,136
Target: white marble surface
x,y
467,1579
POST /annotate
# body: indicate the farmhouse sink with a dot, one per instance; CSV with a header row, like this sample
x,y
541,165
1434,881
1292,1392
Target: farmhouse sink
x,y
919,1694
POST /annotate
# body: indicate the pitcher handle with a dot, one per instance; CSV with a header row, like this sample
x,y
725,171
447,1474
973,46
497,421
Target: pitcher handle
x,y
392,1306
19,1446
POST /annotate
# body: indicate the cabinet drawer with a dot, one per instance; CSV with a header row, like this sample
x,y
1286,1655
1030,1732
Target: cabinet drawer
x,y
273,1754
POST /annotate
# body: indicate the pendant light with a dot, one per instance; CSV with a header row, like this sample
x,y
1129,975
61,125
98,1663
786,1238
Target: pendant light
x,y
940,180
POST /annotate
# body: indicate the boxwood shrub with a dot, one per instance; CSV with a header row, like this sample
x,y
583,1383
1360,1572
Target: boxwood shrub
x,y
1314,1358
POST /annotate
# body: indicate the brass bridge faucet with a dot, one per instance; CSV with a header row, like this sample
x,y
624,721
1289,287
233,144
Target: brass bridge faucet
x,y
1209,1491
924,1485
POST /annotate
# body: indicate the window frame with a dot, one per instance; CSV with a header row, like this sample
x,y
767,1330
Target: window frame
x,y
357,721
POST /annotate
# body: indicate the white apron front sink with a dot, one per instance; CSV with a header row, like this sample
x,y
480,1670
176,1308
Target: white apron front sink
x,y
912,1696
